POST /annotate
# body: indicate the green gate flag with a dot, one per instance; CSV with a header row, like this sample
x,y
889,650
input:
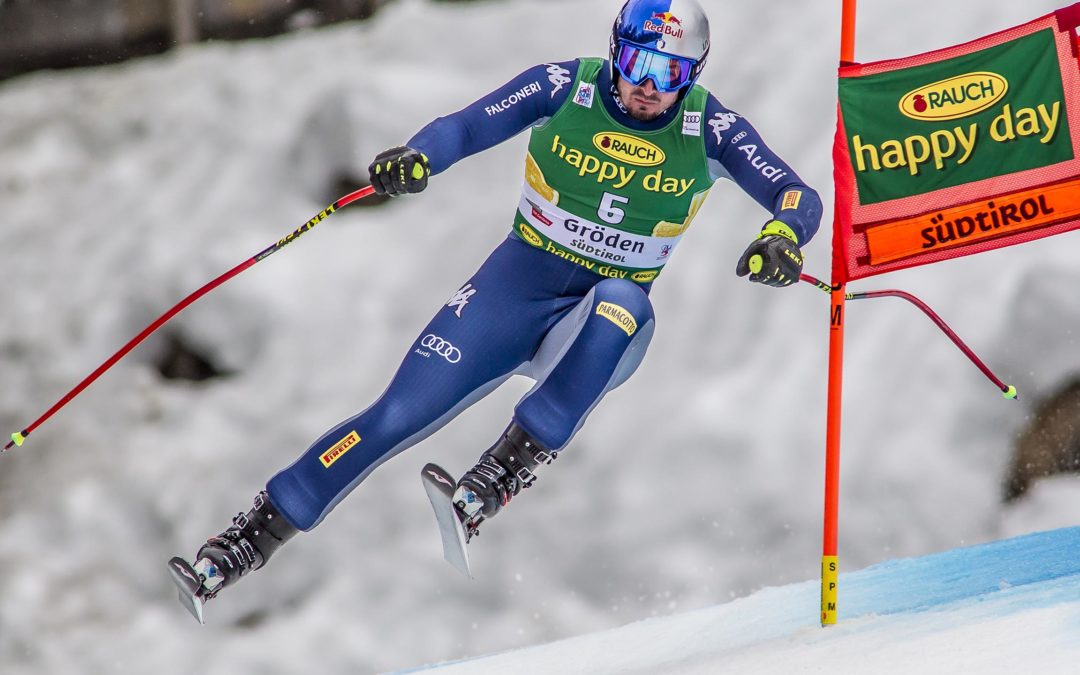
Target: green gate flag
x,y
960,150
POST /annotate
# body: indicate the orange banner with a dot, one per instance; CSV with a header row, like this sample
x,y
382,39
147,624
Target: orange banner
x,y
976,221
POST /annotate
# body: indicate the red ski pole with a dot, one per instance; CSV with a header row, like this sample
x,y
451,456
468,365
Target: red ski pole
x,y
1008,391
20,437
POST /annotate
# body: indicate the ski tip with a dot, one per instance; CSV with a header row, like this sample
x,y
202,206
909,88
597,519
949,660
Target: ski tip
x,y
435,473
189,587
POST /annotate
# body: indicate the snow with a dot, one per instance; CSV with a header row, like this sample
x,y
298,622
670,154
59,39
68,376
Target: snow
x,y
1004,607
698,482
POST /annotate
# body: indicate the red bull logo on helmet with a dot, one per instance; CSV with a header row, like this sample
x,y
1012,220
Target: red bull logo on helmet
x,y
667,17
664,23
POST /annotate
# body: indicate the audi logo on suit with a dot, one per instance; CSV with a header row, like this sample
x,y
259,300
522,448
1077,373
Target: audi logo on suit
x,y
441,347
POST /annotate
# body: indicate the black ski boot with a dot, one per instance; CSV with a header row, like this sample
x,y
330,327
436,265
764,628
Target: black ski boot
x,y
242,548
500,474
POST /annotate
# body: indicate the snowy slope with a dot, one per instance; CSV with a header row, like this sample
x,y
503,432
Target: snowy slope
x,y
1007,607
122,189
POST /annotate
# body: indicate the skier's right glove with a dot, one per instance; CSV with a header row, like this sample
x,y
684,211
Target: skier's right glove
x,y
774,259
399,170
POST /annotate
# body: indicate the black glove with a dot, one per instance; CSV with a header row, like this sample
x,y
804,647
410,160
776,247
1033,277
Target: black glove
x,y
399,170
774,259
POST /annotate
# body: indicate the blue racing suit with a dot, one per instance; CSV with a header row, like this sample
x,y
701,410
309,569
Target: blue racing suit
x,y
525,311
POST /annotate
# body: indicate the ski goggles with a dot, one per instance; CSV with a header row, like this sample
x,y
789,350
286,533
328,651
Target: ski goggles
x,y
668,73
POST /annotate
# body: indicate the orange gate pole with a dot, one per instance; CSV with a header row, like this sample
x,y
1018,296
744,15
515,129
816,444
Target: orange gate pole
x,y
830,564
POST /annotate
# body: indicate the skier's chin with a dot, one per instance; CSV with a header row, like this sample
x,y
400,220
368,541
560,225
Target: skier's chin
x,y
643,114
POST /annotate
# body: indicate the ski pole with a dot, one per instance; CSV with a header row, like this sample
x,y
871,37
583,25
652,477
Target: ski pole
x,y
20,437
1008,391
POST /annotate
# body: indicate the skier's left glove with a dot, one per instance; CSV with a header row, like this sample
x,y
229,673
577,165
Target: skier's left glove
x,y
399,170
774,259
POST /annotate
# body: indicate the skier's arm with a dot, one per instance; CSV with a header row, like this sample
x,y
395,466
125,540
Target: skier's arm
x,y
735,150
525,101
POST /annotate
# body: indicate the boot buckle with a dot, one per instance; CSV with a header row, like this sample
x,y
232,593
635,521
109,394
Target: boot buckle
x,y
543,456
526,477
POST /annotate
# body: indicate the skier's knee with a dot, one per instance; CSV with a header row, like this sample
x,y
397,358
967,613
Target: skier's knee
x,y
627,296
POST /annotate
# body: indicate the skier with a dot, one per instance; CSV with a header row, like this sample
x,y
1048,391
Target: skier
x,y
622,155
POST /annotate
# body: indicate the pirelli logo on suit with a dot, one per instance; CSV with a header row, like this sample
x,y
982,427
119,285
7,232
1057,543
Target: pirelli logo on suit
x,y
337,450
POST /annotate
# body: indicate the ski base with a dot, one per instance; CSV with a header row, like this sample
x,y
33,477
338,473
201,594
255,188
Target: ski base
x,y
189,585
440,487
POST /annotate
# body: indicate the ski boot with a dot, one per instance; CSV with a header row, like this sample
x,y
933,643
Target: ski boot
x,y
501,473
240,549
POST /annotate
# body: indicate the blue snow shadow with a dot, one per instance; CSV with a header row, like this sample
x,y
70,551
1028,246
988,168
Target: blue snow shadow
x,y
920,584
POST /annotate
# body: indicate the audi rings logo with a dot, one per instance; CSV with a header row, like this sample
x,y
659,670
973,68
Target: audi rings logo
x,y
441,347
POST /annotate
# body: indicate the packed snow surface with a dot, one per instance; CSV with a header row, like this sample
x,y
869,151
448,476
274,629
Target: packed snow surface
x,y
125,188
1005,607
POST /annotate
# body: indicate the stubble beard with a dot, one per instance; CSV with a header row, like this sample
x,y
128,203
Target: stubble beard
x,y
643,116
639,113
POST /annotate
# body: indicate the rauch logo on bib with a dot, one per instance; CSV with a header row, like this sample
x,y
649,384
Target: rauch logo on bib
x,y
628,149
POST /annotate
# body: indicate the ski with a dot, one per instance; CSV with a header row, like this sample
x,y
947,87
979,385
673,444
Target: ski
x,y
189,586
440,487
